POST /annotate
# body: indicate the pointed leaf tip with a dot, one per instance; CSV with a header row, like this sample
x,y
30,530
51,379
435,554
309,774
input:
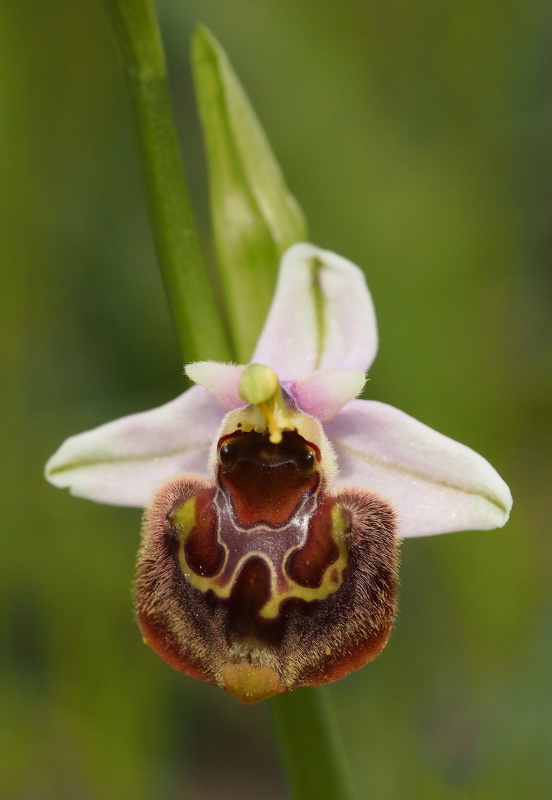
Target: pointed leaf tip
x,y
254,216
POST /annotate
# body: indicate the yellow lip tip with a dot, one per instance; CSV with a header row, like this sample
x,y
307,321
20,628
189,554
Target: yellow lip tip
x,y
250,683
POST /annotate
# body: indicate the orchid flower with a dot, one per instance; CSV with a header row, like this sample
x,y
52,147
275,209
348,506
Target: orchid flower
x,y
275,500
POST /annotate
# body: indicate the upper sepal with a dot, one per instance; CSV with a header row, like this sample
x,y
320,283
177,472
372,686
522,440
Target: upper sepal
x,y
321,319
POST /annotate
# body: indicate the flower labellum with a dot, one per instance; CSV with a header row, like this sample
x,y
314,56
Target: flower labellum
x,y
275,501
263,580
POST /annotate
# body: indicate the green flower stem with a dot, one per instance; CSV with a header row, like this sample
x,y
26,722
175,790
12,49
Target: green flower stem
x,y
189,290
313,756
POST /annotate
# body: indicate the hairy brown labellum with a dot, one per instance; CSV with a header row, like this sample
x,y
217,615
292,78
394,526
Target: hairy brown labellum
x,y
263,581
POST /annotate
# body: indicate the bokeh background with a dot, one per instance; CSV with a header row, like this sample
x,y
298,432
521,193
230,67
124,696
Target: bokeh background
x,y
417,136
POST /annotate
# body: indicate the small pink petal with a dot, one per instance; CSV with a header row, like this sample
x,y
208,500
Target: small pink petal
x,y
124,461
323,394
435,484
322,316
221,380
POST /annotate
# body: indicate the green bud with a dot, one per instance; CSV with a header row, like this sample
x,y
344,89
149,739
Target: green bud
x,y
254,217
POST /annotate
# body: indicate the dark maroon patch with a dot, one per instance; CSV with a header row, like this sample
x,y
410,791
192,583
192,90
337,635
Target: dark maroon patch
x,y
204,554
249,594
308,565
266,481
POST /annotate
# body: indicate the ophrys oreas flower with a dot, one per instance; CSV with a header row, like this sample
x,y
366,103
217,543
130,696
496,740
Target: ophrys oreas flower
x,y
275,500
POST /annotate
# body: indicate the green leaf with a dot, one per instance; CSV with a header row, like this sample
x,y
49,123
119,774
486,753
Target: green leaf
x,y
254,216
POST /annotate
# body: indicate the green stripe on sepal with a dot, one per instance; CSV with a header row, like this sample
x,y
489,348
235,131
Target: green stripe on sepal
x,y
254,216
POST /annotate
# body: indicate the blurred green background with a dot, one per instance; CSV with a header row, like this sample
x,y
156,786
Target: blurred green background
x,y
417,137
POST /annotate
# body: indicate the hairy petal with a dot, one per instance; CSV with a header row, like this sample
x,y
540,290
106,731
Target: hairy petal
x,y
435,484
221,380
322,316
123,461
323,394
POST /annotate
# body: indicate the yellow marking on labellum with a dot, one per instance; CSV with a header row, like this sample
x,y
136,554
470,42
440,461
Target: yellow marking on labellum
x,y
184,520
328,585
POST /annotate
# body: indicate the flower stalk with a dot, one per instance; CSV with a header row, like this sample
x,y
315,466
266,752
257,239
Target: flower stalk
x,y
312,751
189,291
